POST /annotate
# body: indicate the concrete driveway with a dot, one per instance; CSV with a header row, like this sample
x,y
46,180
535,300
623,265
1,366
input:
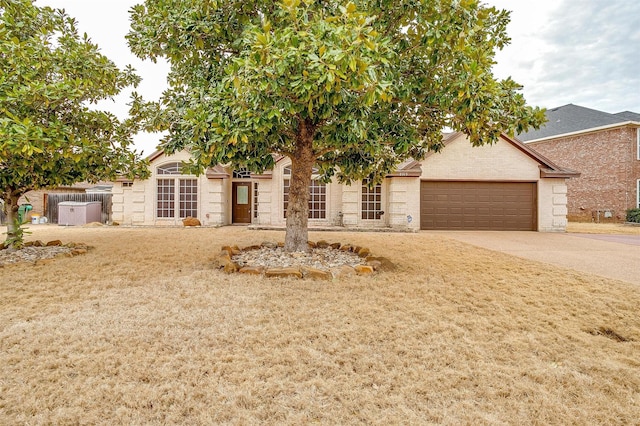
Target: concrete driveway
x,y
610,256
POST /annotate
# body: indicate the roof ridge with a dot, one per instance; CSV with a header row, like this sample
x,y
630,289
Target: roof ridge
x,y
572,118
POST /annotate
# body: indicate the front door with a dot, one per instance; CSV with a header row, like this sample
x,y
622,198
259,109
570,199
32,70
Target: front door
x,y
241,203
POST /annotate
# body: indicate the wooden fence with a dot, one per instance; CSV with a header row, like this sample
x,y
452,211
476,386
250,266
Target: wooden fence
x,y
54,199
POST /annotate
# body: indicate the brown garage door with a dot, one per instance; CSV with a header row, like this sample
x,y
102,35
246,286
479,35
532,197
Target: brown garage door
x,y
508,206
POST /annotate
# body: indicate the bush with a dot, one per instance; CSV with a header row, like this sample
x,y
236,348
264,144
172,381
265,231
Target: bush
x,y
633,215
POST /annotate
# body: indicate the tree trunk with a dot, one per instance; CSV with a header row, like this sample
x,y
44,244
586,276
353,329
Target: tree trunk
x,y
297,235
11,212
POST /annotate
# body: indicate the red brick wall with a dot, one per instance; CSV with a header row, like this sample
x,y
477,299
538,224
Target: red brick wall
x,y
609,167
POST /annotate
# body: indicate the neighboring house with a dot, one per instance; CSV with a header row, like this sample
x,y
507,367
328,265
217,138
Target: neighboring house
x,y
503,186
605,148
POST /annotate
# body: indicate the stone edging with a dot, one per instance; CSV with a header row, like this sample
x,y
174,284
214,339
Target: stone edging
x,y
368,265
40,253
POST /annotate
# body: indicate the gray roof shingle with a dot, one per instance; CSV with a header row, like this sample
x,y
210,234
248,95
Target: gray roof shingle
x,y
573,118
628,115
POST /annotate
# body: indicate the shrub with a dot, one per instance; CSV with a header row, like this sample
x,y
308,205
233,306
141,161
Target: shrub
x,y
633,215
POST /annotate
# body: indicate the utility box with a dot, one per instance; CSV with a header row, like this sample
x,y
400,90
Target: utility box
x,y
79,212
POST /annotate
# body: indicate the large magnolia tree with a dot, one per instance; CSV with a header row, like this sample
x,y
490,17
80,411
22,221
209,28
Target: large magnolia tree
x,y
353,88
49,134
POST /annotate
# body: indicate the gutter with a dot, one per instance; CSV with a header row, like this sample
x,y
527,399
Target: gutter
x,y
562,173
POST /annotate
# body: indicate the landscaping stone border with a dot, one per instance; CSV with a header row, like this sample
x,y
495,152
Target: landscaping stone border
x,y
227,261
40,253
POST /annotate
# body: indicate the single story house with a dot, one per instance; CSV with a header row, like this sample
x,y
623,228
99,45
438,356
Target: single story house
x,y
504,186
605,148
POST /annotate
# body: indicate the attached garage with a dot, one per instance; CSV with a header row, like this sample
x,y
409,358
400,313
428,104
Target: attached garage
x,y
505,186
478,205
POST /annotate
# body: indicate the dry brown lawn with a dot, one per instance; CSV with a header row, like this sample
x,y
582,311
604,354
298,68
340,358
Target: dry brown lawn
x,y
603,228
144,330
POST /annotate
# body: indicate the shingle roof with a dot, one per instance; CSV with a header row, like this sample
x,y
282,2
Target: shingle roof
x,y
573,118
628,115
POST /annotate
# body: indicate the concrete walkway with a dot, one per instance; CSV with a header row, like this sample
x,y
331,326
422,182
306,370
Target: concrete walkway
x,y
610,256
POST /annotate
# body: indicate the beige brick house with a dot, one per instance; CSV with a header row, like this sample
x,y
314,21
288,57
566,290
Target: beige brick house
x,y
503,186
605,148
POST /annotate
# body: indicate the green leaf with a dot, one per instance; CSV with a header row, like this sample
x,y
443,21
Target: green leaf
x,y
46,88
369,84
262,38
352,64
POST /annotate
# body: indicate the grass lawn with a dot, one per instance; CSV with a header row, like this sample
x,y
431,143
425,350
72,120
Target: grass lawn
x,y
603,228
144,330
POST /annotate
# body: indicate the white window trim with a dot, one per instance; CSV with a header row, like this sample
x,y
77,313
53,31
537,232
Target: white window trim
x,y
177,180
177,176
360,211
241,174
314,177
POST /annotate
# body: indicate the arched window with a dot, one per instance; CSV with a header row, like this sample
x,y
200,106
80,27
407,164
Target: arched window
x,y
184,190
317,195
170,169
241,174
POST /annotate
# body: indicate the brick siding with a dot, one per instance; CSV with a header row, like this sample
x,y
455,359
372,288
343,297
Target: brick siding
x,y
609,167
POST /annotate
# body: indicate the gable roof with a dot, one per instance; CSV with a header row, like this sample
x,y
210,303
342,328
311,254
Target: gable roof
x,y
411,167
574,118
155,155
547,167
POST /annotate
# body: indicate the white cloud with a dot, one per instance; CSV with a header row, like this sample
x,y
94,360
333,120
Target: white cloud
x,y
583,52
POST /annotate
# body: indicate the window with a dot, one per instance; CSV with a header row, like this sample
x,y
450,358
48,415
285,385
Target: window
x,y
170,169
166,198
242,174
317,200
317,195
176,197
188,198
255,200
371,201
127,184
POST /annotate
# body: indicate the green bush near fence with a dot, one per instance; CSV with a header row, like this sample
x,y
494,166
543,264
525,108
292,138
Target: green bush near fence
x,y
633,215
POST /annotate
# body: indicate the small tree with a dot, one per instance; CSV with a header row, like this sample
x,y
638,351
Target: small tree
x,y
48,134
352,87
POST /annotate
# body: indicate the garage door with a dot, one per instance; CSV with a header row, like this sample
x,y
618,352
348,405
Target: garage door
x,y
508,206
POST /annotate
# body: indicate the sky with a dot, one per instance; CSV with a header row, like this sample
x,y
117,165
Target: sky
x,y
584,52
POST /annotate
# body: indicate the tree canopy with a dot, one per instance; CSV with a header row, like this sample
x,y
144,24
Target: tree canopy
x,y
352,87
49,133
